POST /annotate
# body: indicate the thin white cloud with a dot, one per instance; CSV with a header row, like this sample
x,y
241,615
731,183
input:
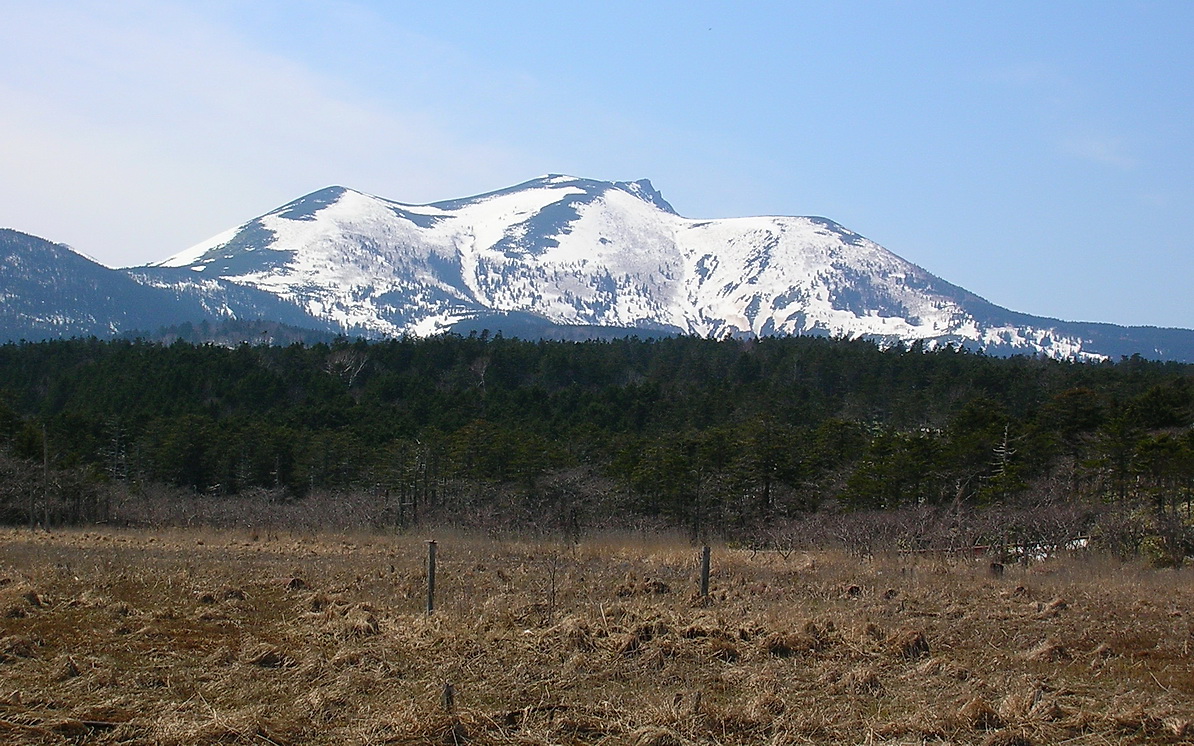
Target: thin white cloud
x,y
1064,110
120,117
1026,74
1107,151
1158,200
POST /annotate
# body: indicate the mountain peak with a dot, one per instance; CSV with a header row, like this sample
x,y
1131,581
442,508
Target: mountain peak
x,y
644,190
588,252
305,207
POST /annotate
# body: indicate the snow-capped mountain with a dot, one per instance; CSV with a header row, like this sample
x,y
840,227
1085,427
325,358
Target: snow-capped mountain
x,y
576,251
557,256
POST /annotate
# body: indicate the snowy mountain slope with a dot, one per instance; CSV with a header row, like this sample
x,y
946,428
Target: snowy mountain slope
x,y
583,252
48,290
371,263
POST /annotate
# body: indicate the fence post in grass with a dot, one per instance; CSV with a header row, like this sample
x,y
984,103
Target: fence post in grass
x,y
431,576
705,573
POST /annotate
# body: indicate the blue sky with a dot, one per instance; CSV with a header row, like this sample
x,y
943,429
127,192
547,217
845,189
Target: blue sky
x,y
1038,154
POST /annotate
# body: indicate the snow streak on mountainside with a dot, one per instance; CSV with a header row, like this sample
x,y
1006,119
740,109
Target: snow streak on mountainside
x,y
584,252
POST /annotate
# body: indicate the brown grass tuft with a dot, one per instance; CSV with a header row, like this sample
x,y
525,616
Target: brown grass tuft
x,y
573,634
723,650
631,586
1102,651
1051,609
1008,738
17,646
1179,727
1031,701
687,704
1049,651
654,736
782,645
319,602
766,707
65,669
67,727
940,666
863,680
656,586
1136,719
357,621
908,644
979,715
34,599
265,655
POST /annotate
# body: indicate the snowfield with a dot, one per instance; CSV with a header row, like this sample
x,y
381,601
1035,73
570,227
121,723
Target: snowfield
x,y
578,251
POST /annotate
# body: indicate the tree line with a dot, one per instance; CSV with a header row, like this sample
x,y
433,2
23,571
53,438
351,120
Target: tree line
x,y
706,434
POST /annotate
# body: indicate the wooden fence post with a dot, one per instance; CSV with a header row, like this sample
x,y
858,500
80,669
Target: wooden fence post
x,y
431,576
705,573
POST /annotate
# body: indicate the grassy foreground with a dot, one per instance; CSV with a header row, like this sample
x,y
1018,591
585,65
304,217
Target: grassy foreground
x,y
204,638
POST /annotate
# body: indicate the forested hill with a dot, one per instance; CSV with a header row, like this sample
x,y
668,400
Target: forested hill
x,y
689,430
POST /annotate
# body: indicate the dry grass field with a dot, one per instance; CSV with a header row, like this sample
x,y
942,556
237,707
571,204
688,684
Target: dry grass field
x,y
205,637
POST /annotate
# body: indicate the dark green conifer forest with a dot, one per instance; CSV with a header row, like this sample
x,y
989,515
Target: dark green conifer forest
x,y
711,436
